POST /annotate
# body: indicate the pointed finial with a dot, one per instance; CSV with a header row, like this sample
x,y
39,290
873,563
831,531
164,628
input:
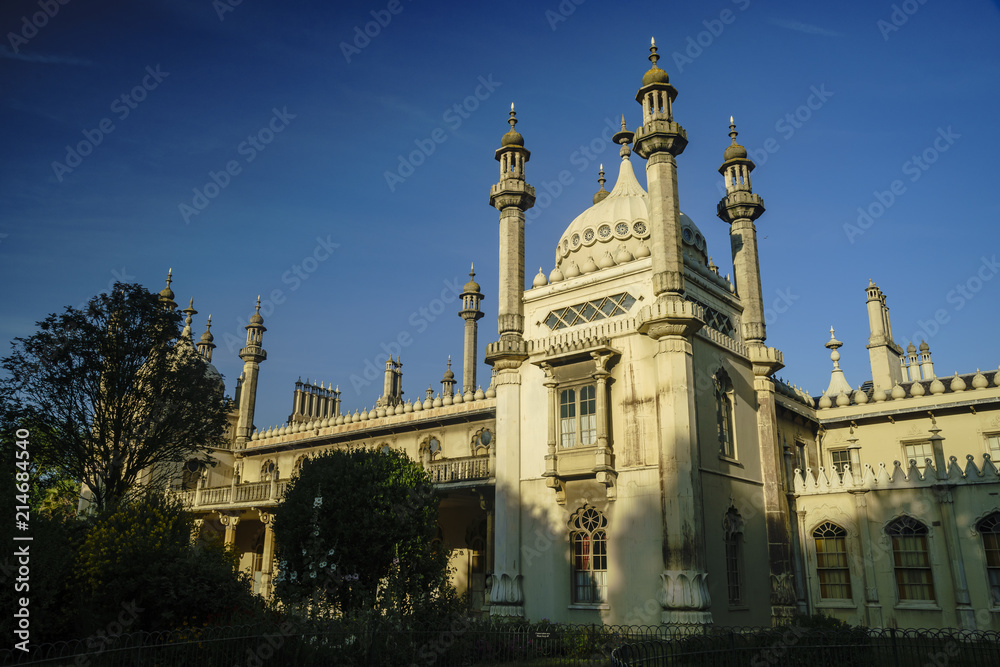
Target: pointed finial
x,y
170,279
449,362
623,123
653,55
732,129
831,333
208,325
472,270
258,303
513,117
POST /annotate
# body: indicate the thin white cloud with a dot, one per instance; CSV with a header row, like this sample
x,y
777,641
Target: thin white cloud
x,y
5,52
799,26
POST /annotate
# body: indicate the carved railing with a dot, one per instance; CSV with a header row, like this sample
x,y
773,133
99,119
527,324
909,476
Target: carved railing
x,y
261,493
459,470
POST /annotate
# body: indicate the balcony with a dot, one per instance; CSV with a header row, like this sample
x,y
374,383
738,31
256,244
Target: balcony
x,y
466,469
253,493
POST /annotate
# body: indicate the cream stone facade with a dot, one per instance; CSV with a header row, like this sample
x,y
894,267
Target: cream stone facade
x,y
634,459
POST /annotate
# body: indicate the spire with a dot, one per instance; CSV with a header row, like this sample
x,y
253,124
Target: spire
x,y
188,312
167,294
448,381
602,193
206,344
624,137
838,383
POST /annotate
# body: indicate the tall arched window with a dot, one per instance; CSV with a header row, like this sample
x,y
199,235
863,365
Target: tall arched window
x,y
733,532
589,545
911,559
831,561
724,413
989,528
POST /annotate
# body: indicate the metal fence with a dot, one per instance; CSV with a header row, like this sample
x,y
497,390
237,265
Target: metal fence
x,y
809,647
469,643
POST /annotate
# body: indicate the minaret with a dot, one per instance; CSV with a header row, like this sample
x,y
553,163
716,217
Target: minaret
x,y
471,296
660,140
251,355
188,313
512,196
207,344
167,294
448,382
885,356
740,207
926,365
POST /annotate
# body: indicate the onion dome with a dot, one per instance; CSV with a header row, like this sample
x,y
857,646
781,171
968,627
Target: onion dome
x,y
513,137
555,275
207,337
924,347
911,348
448,374
957,383
979,381
256,318
540,280
734,151
167,294
655,74
472,285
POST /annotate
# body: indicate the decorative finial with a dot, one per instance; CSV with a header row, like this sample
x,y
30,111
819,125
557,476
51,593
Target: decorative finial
x,y
624,138
472,270
602,180
653,55
258,303
623,123
170,273
732,130
513,117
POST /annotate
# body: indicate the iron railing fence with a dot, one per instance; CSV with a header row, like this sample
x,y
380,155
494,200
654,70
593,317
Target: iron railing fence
x,y
796,646
472,643
464,643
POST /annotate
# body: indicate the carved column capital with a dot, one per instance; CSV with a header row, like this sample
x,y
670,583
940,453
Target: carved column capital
x,y
684,597
506,595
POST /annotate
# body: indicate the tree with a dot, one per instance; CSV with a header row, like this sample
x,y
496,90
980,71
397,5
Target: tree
x,y
112,391
356,532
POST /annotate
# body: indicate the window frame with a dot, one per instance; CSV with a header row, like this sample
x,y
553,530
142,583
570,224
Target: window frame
x,y
916,533
735,566
994,453
588,590
922,461
839,466
577,404
725,415
991,552
839,535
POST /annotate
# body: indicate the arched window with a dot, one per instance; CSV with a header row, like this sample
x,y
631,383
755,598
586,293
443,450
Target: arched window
x,y
589,545
297,466
989,528
724,413
831,561
190,475
481,445
733,531
911,559
267,469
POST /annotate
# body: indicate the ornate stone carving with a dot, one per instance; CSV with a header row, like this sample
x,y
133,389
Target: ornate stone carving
x,y
506,595
782,589
684,597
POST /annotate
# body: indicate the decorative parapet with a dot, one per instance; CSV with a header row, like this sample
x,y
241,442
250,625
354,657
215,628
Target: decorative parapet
x,y
918,393
404,415
256,493
870,478
460,470
722,340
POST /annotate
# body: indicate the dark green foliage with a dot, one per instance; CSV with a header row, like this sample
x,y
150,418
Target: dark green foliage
x,y
108,392
355,534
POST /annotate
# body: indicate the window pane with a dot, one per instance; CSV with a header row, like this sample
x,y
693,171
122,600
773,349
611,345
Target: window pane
x,y
994,445
840,458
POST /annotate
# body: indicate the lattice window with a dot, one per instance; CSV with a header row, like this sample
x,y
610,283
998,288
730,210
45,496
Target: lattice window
x,y
716,320
591,311
989,528
911,559
831,561
589,542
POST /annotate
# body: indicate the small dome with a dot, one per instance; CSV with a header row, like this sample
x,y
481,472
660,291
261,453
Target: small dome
x,y
911,348
555,275
540,280
449,375
207,337
472,285
655,75
924,347
256,318
734,152
512,138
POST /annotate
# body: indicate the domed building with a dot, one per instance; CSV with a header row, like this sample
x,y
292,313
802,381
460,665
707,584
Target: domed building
x,y
634,458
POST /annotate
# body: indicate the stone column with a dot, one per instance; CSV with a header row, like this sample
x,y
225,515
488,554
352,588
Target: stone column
x,y
230,520
949,526
683,593
602,462
267,573
873,609
767,361
550,473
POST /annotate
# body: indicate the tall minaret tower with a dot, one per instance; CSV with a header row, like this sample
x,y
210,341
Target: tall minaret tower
x,y
740,207
883,353
251,355
512,196
660,140
471,296
207,342
671,321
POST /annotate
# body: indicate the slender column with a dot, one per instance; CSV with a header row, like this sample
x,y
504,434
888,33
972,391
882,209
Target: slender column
x,y
230,521
267,566
605,474
873,609
550,384
252,355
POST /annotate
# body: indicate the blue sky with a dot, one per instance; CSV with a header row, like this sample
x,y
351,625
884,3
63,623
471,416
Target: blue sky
x,y
251,149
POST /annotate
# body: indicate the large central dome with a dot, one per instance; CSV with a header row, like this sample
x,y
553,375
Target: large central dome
x,y
616,229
